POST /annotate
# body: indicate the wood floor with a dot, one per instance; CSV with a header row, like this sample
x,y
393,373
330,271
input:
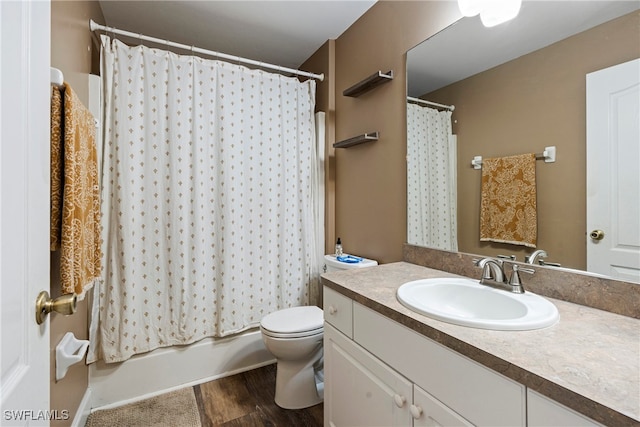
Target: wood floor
x,y
246,400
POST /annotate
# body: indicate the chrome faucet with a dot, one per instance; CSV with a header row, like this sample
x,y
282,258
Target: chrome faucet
x,y
533,258
491,270
493,275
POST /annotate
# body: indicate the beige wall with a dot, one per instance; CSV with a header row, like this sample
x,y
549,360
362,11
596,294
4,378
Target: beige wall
x,y
73,52
522,106
371,177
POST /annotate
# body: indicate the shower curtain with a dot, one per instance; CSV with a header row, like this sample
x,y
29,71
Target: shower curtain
x,y
431,179
208,199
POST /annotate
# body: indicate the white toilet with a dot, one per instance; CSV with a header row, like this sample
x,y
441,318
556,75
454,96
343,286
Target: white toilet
x,y
294,336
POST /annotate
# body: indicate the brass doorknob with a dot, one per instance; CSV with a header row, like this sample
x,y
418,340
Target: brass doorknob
x,y
597,234
64,304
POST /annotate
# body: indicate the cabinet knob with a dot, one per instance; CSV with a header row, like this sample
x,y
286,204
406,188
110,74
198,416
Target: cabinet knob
x,y
332,310
416,411
399,400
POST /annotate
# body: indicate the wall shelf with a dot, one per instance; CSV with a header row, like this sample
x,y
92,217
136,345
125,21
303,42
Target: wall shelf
x,y
369,83
367,137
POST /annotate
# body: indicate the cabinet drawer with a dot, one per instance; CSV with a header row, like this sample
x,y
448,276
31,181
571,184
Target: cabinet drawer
x,y
479,394
338,311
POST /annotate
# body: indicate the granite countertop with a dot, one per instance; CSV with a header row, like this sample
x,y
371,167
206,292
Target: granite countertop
x,y
589,360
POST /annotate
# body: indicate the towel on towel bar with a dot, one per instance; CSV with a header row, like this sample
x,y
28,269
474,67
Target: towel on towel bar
x,y
508,211
75,192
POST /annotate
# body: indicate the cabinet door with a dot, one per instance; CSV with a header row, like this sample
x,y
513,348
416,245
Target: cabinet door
x,y
359,389
427,411
544,412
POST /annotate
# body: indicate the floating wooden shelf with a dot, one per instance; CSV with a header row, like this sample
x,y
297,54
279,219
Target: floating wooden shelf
x,y
367,137
369,83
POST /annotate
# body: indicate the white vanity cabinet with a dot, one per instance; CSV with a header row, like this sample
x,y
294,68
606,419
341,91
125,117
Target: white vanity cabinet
x,y
477,394
387,375
363,391
379,372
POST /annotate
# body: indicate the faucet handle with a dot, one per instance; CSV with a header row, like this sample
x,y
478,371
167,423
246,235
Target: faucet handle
x,y
551,264
510,257
515,275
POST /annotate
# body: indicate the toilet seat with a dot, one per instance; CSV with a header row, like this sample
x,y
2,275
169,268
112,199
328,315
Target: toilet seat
x,y
294,322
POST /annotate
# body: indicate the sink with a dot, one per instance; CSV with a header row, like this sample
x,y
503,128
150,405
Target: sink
x,y
466,302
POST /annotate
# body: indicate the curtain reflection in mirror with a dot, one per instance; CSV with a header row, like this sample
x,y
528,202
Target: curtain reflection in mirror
x,y
431,178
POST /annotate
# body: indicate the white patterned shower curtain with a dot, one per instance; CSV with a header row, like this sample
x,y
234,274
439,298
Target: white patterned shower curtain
x,y
208,205
431,179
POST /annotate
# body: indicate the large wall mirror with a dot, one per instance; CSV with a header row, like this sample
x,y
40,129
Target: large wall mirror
x,y
517,88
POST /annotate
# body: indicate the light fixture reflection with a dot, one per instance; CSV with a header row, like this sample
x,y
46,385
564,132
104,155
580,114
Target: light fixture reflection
x,y
492,12
470,7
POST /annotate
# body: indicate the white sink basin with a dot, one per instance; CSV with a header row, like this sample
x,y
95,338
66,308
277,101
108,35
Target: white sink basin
x,y
466,302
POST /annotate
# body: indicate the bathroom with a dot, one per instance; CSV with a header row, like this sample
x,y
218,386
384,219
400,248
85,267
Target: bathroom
x,y
378,41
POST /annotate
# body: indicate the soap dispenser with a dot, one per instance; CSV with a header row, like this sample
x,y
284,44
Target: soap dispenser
x,y
338,248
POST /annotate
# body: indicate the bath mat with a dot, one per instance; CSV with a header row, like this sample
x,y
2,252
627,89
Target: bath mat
x,y
177,408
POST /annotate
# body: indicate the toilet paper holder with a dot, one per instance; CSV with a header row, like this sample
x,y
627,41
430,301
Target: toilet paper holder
x,y
69,350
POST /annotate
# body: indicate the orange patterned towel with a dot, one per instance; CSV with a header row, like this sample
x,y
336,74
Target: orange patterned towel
x,y
75,192
508,212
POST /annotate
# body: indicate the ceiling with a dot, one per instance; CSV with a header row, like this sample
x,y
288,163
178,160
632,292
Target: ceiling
x,y
467,47
284,33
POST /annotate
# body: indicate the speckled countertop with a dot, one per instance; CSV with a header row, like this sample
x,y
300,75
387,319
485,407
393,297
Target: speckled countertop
x,y
589,360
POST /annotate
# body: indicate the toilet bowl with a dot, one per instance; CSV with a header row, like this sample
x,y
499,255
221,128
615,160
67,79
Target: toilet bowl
x,y
294,336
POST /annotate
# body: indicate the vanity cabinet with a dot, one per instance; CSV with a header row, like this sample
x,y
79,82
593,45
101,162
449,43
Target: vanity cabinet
x,y
379,372
387,375
363,391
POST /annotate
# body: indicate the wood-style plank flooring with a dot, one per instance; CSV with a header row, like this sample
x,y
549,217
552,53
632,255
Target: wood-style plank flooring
x,y
246,400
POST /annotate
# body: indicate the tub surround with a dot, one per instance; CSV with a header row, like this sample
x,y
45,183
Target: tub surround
x,y
577,287
589,361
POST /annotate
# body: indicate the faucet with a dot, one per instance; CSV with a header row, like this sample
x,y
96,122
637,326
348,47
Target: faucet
x,y
491,269
531,259
493,275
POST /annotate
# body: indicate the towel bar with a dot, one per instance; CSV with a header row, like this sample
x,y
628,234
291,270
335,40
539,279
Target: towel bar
x,y
548,155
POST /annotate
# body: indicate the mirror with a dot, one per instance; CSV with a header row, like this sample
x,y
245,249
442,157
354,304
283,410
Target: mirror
x,y
518,88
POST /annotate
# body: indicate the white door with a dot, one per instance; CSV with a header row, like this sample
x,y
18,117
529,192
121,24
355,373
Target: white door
x,y
24,210
613,171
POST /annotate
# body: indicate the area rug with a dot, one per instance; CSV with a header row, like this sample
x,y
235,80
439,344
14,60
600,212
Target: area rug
x,y
177,408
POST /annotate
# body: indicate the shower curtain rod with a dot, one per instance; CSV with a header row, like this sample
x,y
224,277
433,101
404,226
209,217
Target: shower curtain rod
x,y
97,27
424,101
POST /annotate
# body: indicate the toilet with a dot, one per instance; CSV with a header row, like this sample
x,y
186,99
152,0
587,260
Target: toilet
x,y
294,337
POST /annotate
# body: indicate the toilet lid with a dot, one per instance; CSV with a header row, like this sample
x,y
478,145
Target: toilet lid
x,y
294,320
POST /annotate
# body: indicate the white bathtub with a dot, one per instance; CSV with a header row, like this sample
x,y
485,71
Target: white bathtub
x,y
170,368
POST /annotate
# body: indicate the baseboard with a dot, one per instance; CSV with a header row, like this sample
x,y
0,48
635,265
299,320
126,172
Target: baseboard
x,y
170,368
83,411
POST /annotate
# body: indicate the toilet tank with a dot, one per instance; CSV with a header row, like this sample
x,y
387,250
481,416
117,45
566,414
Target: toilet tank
x,y
331,263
